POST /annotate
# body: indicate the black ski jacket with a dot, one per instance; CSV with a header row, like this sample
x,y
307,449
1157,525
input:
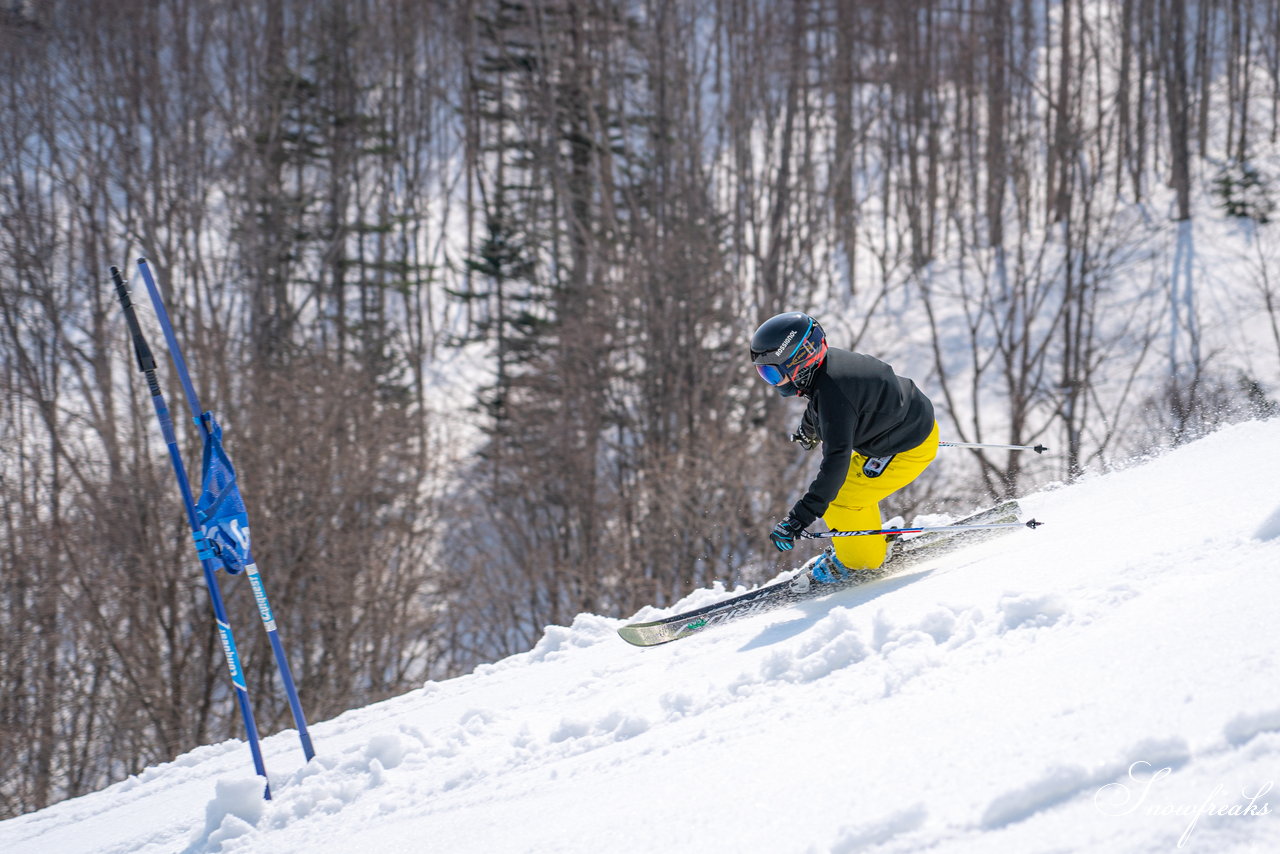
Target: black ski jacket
x,y
857,405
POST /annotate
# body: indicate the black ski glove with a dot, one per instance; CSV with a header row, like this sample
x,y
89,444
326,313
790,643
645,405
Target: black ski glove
x,y
804,440
785,532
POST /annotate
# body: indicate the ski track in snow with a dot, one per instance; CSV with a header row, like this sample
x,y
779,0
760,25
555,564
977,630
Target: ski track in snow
x,y
1107,682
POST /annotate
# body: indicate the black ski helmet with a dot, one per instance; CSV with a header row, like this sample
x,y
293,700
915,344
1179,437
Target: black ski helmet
x,y
787,349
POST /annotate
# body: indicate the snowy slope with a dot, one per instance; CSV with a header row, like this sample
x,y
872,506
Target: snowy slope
x,y
1110,682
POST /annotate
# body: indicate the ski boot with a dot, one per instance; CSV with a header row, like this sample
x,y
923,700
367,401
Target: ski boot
x,y
825,568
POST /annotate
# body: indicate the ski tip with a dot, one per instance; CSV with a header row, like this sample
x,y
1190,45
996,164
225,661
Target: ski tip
x,y
635,636
655,633
629,635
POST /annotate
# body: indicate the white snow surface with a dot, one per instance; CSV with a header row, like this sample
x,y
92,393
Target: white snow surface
x,y
1109,682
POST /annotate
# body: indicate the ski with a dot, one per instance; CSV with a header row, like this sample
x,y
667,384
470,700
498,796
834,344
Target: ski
x,y
934,541
748,604
905,551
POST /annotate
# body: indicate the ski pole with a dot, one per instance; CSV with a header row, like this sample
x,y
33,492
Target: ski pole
x,y
251,567
147,364
1039,449
925,529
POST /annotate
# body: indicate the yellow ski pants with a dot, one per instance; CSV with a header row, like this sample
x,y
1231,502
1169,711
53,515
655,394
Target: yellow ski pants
x,y
857,506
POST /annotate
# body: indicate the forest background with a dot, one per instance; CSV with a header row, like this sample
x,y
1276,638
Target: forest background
x,y
469,284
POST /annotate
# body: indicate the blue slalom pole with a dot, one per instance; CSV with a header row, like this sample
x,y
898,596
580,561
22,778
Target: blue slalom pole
x,y
205,421
147,364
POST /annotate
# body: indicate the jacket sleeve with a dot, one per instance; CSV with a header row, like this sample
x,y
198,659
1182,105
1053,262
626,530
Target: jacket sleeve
x,y
809,423
836,429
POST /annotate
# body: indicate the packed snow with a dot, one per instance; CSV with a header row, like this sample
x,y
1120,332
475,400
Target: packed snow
x,y
1109,682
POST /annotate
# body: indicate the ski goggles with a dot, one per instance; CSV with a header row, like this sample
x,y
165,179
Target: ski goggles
x,y
771,374
804,356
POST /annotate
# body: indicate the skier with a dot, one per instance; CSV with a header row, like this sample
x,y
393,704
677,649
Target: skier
x,y
877,430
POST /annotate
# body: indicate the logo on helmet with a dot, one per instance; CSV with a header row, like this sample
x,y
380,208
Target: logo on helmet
x,y
783,345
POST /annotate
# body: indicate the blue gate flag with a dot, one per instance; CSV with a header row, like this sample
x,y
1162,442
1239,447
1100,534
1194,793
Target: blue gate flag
x,y
220,510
